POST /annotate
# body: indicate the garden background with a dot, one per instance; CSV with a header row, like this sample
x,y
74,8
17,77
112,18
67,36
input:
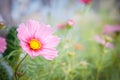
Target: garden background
x,y
89,32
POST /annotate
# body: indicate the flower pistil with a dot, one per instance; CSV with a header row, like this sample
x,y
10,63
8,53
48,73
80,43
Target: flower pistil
x,y
35,44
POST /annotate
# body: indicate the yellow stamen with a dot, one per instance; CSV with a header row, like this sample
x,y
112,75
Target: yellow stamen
x,y
34,44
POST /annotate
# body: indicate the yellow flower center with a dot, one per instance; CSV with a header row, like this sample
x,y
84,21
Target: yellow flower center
x,y
34,44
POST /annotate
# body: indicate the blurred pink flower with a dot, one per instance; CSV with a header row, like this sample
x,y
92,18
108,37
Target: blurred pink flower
x,y
103,42
61,26
37,39
3,44
71,22
108,29
85,1
99,39
109,45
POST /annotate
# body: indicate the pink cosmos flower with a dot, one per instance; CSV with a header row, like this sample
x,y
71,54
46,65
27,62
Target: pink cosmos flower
x,y
61,26
3,44
103,42
71,22
85,1
37,40
108,29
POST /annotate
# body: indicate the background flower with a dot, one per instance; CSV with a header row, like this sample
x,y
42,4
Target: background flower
x,y
37,39
2,45
71,22
64,25
85,1
103,42
61,26
109,29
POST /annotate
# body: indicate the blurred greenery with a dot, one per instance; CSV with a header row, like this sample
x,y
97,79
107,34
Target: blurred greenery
x,y
5,71
13,51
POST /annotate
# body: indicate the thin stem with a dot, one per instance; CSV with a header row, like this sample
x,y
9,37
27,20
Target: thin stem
x,y
100,64
97,75
19,66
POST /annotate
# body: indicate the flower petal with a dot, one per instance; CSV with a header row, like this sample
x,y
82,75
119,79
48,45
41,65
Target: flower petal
x,y
49,54
44,31
32,26
51,42
22,32
3,44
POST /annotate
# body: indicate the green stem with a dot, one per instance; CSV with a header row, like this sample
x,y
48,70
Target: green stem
x,y
99,64
66,76
97,75
16,78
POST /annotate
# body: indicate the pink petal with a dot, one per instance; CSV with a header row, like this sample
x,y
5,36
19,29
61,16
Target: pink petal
x,y
109,45
43,31
32,26
61,26
22,32
108,29
85,1
99,39
49,54
71,22
51,42
3,44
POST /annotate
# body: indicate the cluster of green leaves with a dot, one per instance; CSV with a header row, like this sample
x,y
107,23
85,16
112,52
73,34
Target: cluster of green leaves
x,y
13,51
11,55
